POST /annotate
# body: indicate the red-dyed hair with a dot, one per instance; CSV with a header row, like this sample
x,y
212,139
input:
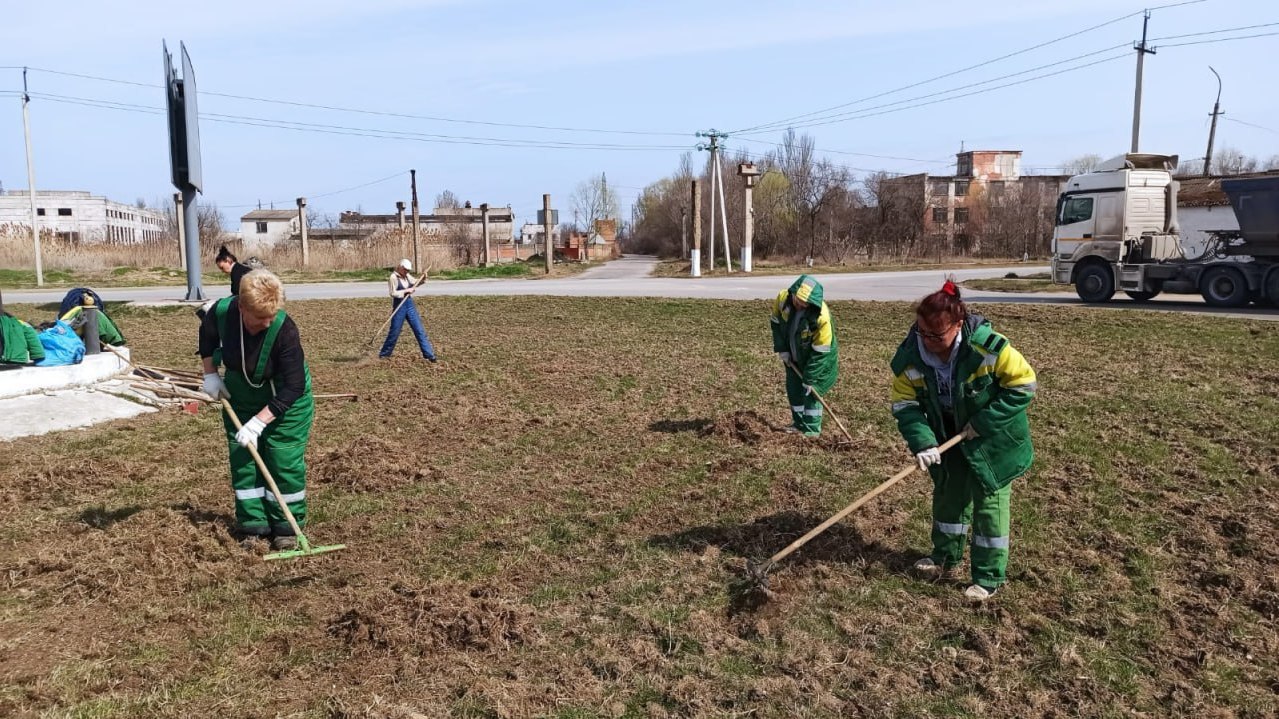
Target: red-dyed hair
x,y
944,303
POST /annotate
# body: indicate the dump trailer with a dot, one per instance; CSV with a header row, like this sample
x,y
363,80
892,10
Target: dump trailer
x,y
1116,230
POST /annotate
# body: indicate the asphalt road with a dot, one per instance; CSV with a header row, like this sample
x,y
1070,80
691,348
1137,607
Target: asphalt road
x,y
627,277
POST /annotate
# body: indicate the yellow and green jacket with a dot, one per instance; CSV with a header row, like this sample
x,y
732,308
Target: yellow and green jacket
x,y
993,387
19,341
810,337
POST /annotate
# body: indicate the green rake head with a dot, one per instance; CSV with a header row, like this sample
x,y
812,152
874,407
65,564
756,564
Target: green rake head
x,y
304,550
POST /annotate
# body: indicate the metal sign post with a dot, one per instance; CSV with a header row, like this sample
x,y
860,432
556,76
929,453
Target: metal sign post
x,y
184,158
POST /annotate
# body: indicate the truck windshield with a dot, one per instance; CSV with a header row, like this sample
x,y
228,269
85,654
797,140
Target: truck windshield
x,y
1075,209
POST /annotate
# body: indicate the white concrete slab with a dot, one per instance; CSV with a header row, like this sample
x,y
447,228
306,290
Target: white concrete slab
x,y
37,414
28,380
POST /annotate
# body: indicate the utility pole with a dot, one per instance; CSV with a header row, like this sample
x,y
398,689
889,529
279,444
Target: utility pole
x,y
1212,131
484,224
683,232
695,259
399,214
748,172
306,246
717,182
546,228
31,179
416,224
1142,51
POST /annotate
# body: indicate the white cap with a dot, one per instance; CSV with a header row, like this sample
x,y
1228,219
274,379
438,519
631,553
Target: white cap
x,y
406,265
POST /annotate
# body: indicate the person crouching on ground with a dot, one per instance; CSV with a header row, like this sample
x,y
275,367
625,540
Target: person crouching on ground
x,y
269,386
804,340
953,374
402,285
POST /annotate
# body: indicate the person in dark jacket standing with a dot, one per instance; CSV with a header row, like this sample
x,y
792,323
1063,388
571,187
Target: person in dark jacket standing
x,y
231,266
954,374
267,381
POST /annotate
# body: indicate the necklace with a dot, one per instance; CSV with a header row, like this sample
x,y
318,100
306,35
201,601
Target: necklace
x,y
244,366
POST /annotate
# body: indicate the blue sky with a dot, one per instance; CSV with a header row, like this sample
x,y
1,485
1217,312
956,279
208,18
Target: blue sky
x,y
664,69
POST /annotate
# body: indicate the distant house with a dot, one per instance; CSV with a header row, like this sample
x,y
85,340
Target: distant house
x,y
266,228
82,216
445,224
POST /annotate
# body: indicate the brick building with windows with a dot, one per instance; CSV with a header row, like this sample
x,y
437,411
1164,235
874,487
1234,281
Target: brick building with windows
x,y
982,179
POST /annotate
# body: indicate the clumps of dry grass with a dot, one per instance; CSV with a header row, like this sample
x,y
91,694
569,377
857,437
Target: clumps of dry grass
x,y
432,618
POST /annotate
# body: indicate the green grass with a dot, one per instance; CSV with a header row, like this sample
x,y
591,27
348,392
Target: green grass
x,y
567,486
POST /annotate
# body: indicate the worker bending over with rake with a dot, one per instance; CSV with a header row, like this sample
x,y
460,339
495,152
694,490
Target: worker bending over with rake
x,y
804,340
402,286
267,379
953,374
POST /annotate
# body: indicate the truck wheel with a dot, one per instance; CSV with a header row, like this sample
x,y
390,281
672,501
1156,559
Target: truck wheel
x,y
1224,287
1142,296
1095,283
1272,287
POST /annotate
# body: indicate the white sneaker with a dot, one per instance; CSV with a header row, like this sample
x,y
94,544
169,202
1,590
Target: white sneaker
x,y
978,593
928,569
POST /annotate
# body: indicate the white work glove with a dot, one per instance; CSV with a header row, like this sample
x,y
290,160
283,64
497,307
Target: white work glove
x,y
784,357
249,433
928,457
808,389
215,387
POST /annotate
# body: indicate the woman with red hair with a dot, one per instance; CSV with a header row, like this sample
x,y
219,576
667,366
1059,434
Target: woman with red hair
x,y
953,374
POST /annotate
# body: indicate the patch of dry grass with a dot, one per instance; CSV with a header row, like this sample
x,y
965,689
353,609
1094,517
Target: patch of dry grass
x,y
550,522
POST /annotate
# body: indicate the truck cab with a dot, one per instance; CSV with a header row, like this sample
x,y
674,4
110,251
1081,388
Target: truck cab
x,y
1112,220
1116,230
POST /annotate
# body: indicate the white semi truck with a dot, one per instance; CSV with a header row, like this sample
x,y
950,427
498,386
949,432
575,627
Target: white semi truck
x,y
1117,230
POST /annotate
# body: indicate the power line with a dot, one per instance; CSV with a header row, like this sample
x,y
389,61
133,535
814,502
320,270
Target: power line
x,y
865,113
1223,39
1249,124
957,72
379,113
358,131
1214,32
855,114
401,173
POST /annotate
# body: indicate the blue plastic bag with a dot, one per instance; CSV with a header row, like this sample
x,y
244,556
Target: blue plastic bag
x,y
62,346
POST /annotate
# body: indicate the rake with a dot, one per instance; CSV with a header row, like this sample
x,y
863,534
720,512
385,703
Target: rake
x,y
398,307
825,407
757,572
304,547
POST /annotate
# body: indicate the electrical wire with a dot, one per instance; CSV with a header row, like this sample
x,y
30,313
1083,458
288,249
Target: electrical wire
x,y
1223,39
317,196
359,131
1249,124
379,113
1213,32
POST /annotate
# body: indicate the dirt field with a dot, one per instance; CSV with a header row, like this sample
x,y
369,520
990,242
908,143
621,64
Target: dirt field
x,y
554,519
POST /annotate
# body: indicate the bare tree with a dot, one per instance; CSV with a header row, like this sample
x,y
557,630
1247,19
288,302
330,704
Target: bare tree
x,y
1083,163
447,199
1230,161
594,200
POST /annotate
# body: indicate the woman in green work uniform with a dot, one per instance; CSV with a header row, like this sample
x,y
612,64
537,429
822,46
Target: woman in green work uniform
x,y
804,340
269,386
954,374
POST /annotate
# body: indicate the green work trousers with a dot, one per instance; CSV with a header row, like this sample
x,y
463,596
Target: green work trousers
x,y
283,449
960,501
805,409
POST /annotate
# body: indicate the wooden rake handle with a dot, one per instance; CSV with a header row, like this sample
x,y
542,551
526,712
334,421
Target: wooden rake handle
x,y
825,407
266,473
859,502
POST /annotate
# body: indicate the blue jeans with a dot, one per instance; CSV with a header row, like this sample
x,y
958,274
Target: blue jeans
x,y
401,309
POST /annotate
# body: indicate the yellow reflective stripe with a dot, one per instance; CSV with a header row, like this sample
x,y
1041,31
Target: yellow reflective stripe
x,y
805,290
903,390
825,335
1013,370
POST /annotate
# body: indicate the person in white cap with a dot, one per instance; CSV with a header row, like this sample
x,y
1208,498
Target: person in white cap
x,y
402,285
